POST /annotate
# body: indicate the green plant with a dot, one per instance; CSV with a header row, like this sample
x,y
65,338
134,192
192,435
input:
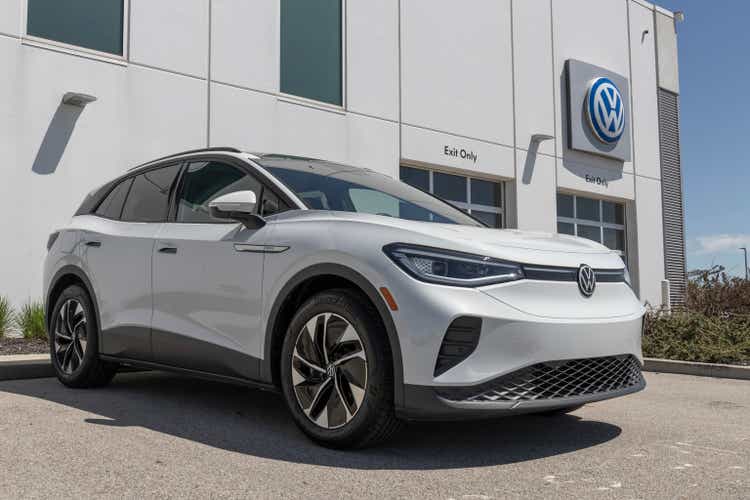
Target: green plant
x,y
6,316
31,321
696,336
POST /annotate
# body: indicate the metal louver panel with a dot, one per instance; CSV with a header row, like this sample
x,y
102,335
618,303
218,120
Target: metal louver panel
x,y
672,200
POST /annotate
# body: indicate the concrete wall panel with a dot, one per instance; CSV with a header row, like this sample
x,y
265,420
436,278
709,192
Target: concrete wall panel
x,y
650,266
594,31
536,194
456,67
372,57
245,43
440,149
666,40
645,112
534,81
170,34
10,17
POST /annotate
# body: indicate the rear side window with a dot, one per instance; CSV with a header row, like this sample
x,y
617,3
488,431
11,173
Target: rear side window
x,y
206,181
111,207
148,200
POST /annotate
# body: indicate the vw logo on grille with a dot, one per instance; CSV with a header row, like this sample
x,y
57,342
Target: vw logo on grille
x,y
586,280
606,110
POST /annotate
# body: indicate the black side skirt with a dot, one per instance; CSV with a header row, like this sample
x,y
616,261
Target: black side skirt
x,y
150,365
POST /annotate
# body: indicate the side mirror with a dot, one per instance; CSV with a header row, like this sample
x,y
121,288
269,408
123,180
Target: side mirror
x,y
239,206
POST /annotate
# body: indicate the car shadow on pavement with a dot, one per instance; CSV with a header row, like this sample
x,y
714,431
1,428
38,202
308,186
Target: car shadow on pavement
x,y
257,423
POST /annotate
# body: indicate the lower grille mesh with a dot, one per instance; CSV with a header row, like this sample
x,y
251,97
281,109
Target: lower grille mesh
x,y
555,380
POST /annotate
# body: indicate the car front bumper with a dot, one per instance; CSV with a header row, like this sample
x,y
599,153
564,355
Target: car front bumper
x,y
554,327
539,388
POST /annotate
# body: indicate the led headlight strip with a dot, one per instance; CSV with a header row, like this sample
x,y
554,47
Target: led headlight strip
x,y
446,267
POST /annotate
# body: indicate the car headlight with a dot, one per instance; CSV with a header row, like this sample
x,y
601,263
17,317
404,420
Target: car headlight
x,y
446,267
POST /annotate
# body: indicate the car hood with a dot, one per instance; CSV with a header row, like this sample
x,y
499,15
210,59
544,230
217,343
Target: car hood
x,y
522,246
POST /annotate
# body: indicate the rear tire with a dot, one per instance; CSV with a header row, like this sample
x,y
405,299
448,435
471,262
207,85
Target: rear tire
x,y
74,341
337,372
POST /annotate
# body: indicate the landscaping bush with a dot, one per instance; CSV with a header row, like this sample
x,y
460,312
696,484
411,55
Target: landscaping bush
x,y
694,336
31,321
6,317
714,293
713,327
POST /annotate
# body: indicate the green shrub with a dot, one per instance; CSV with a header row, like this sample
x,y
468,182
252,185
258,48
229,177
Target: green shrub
x,y
6,317
695,336
714,293
31,321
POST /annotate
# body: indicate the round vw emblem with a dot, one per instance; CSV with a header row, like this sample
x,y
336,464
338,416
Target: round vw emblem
x,y
586,280
606,110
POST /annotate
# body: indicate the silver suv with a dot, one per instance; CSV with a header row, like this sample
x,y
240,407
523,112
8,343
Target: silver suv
x,y
363,300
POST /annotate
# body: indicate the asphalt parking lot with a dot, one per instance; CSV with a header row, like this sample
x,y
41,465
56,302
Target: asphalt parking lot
x,y
161,435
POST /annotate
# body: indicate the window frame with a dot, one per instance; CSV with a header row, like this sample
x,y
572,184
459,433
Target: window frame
x,y
48,43
112,188
306,101
170,197
600,224
468,205
240,165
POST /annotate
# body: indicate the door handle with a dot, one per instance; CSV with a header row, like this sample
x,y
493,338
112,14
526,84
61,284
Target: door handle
x,y
94,244
168,250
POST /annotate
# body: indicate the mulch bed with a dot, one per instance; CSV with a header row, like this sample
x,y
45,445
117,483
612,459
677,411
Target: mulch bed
x,y
9,346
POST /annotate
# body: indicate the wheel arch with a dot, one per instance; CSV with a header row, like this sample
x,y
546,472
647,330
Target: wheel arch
x,y
65,277
302,286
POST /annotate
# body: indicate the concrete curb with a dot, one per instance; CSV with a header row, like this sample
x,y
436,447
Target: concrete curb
x,y
697,369
25,366
40,366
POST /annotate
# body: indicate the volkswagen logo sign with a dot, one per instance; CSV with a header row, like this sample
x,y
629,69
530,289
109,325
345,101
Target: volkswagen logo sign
x,y
586,280
606,110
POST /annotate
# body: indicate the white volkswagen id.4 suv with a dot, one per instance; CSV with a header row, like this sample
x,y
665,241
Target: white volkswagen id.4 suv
x,y
363,300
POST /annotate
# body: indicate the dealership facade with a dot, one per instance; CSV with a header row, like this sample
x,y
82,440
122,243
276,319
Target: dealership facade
x,y
542,115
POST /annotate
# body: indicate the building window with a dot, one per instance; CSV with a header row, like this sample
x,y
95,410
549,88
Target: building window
x,y
312,49
97,25
598,220
481,198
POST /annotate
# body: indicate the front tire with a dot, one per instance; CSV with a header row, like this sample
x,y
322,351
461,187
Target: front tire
x,y
337,371
74,341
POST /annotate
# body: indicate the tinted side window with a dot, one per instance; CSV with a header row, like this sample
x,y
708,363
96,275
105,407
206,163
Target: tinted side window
x,y
205,181
93,24
311,48
272,204
111,207
148,200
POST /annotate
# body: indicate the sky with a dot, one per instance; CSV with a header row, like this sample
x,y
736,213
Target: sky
x,y
714,42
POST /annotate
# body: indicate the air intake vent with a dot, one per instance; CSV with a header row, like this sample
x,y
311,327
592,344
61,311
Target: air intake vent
x,y
555,380
459,342
671,188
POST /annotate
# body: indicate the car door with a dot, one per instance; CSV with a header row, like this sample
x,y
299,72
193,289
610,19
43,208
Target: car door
x,y
207,277
118,246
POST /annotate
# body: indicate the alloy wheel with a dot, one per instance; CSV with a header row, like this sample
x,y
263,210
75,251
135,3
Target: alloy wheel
x,y
329,370
70,335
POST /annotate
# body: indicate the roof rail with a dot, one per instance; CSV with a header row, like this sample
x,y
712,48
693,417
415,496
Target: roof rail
x,y
202,150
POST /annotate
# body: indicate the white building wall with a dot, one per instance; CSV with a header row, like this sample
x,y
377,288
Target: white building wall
x,y
456,72
162,35
586,30
484,76
245,44
535,112
649,235
372,58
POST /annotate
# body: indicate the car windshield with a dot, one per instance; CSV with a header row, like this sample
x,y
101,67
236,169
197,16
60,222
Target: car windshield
x,y
327,186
